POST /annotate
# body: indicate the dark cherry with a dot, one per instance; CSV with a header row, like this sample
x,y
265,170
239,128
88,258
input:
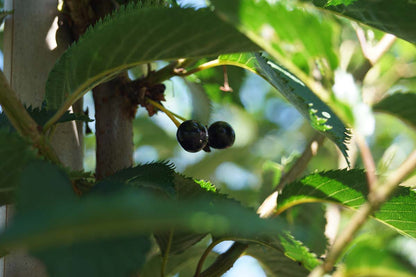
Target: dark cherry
x,y
220,135
192,136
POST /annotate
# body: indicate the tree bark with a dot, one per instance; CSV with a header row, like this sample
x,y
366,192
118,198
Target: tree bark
x,y
31,47
113,129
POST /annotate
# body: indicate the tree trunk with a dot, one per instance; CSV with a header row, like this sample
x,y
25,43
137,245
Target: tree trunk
x,y
113,129
31,48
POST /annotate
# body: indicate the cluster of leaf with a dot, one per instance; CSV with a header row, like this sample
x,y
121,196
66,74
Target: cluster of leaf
x,y
108,231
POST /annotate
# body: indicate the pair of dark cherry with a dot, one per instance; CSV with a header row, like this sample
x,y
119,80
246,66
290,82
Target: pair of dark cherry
x,y
193,136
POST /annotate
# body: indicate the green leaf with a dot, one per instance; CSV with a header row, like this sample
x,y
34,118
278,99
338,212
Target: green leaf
x,y
310,230
349,188
43,186
401,105
148,34
386,15
295,250
340,2
103,257
184,263
275,263
213,78
154,176
319,115
15,153
159,177
186,188
41,116
286,30
124,213
374,255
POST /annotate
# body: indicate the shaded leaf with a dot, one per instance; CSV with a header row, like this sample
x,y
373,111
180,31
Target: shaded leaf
x,y
103,257
374,255
180,242
401,105
349,188
389,16
319,115
276,263
41,116
311,217
126,213
295,250
186,188
154,176
184,263
43,187
104,51
15,153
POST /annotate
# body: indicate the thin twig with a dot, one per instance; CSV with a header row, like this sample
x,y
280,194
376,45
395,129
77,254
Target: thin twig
x,y
369,165
372,54
375,200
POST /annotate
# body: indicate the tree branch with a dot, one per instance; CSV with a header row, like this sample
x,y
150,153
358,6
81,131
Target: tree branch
x,y
369,165
375,200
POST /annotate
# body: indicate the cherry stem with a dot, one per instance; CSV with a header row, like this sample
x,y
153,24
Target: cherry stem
x,y
167,112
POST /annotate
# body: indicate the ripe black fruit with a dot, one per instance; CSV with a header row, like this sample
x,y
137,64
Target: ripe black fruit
x,y
220,135
192,136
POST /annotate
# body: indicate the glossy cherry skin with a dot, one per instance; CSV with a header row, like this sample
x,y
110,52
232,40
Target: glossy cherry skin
x,y
220,135
192,136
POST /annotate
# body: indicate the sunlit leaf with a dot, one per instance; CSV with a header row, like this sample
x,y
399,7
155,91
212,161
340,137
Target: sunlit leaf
x,y
319,115
340,2
349,188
